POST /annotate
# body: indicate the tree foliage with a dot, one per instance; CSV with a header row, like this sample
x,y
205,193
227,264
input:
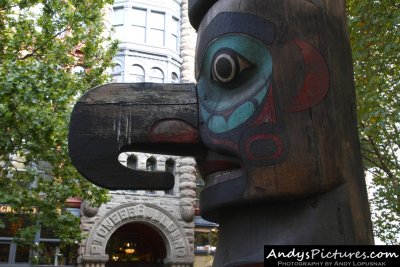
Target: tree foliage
x,y
51,51
375,38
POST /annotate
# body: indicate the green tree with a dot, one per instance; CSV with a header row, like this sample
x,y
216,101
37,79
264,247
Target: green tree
x,y
375,39
51,51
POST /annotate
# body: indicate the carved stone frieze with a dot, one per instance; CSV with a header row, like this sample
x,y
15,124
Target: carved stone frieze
x,y
176,241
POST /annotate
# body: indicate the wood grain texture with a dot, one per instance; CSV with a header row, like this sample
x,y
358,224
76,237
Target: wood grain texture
x,y
323,159
197,9
323,131
115,118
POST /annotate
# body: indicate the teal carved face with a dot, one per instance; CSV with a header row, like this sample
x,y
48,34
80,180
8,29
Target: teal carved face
x,y
233,82
246,95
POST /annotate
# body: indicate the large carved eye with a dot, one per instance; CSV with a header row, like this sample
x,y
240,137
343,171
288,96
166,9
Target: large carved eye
x,y
226,65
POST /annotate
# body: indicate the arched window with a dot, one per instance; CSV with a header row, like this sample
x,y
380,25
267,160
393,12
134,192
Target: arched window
x,y
156,75
137,74
116,73
131,162
117,69
170,167
151,167
151,164
174,78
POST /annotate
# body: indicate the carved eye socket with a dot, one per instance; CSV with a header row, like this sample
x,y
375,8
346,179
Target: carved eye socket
x,y
226,65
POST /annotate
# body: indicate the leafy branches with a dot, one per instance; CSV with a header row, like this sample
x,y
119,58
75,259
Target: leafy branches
x,y
42,44
375,38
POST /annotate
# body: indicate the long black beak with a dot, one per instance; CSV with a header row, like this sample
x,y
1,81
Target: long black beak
x,y
145,117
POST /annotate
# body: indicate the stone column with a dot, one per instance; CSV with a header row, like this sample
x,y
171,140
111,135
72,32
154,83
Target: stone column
x,y
187,46
187,189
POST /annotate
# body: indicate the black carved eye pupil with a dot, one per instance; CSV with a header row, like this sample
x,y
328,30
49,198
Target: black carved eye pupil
x,y
224,68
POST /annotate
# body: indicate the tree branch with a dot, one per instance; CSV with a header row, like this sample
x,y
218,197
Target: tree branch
x,y
382,163
41,47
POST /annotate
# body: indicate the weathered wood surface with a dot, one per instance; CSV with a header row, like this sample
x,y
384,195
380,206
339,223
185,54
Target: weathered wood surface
x,y
312,88
114,118
197,9
318,178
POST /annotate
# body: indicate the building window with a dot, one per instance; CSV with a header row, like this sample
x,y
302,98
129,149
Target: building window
x,y
174,78
13,253
146,26
138,25
49,250
118,23
156,75
151,167
22,253
131,162
173,41
117,69
170,167
157,28
151,164
4,252
50,253
137,74
116,73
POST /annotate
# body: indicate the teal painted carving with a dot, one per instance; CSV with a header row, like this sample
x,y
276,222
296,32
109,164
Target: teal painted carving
x,y
234,80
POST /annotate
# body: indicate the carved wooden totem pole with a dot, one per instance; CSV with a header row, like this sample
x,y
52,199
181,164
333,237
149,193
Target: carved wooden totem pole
x,y
271,122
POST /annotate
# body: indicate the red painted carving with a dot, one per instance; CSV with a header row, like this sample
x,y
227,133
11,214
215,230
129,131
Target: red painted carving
x,y
267,114
316,79
173,131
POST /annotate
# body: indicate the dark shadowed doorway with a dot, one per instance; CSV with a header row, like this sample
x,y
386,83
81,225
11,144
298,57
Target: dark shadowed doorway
x,y
136,245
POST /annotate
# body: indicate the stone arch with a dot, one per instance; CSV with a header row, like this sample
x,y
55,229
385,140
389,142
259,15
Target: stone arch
x,y
132,161
176,241
151,164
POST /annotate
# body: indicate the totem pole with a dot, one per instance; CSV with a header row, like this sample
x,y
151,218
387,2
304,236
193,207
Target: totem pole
x,y
271,123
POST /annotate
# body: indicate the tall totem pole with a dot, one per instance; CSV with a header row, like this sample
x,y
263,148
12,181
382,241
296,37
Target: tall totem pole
x,y
271,123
